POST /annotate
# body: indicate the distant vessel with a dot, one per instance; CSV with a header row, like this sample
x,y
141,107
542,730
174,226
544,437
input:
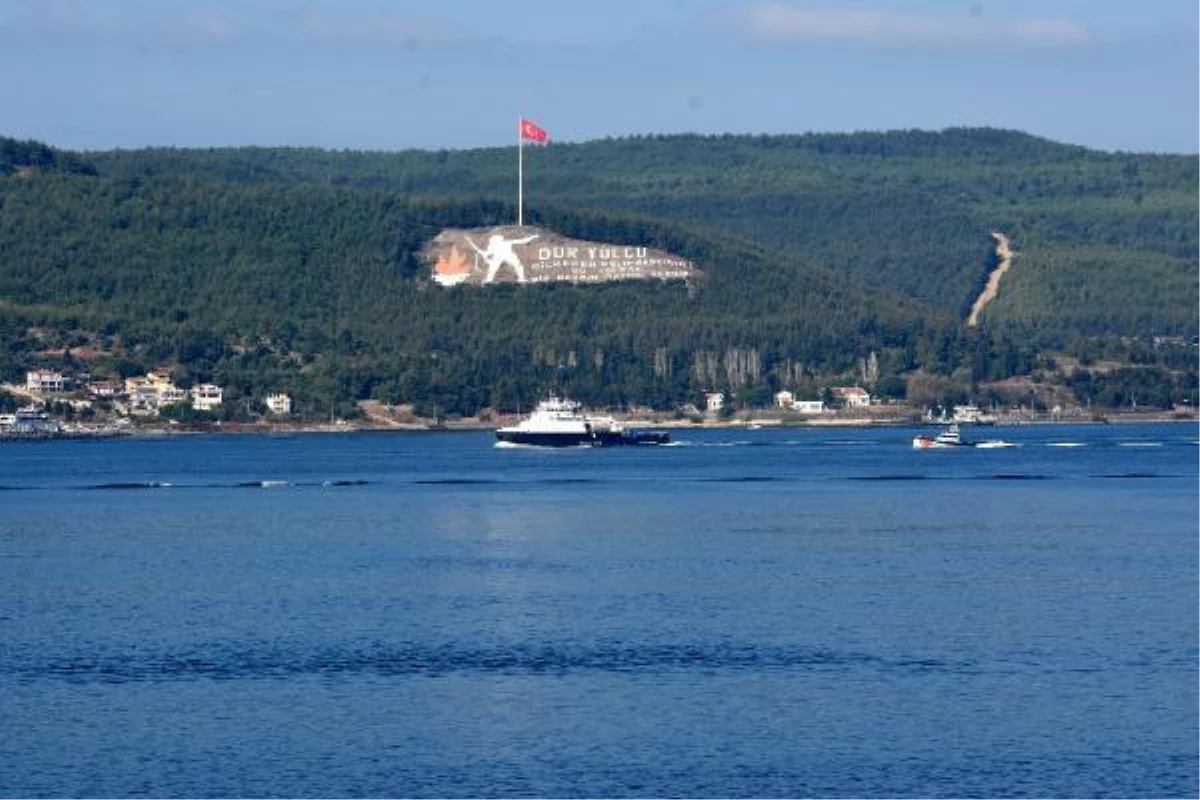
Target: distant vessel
x,y
559,422
972,415
962,415
29,421
947,438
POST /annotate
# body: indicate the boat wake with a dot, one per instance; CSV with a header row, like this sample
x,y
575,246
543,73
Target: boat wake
x,y
692,443
130,485
257,484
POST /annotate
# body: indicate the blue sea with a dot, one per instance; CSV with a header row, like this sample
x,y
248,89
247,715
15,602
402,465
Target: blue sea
x,y
744,613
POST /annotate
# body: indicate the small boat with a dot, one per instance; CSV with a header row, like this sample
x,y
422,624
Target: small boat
x,y
559,422
947,438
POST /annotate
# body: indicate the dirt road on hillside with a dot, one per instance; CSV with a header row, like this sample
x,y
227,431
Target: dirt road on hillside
x,y
1005,255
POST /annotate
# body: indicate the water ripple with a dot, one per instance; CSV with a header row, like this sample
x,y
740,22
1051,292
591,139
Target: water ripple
x,y
743,479
431,660
898,477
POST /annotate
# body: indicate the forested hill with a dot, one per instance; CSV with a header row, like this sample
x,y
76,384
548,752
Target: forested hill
x,y
826,257
27,157
905,211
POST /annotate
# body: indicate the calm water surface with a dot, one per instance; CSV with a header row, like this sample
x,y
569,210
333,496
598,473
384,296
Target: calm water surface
x,y
746,613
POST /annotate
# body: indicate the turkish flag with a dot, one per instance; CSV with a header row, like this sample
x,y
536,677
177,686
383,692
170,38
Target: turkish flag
x,y
532,132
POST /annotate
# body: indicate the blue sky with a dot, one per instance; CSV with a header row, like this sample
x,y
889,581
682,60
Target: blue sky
x,y
393,74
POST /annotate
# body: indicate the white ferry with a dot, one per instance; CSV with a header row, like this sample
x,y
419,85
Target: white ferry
x,y
559,422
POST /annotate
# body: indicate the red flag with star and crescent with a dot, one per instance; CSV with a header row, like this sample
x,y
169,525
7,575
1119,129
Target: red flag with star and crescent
x,y
532,132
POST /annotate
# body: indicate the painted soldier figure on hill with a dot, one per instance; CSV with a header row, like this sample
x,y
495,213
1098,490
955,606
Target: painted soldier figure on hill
x,y
500,252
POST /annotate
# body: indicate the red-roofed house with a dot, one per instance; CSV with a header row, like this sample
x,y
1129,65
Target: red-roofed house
x,y
851,396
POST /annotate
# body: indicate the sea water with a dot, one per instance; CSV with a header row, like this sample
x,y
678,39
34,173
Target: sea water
x,y
743,613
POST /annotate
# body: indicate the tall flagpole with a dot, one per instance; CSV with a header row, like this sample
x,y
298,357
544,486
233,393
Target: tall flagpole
x,y
520,176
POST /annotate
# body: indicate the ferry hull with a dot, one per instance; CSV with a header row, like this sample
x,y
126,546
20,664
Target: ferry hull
x,y
593,439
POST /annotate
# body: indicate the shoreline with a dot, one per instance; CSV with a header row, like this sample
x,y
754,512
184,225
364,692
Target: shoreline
x,y
637,423
764,419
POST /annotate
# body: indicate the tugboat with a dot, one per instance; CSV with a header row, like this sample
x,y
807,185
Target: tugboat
x,y
947,438
559,422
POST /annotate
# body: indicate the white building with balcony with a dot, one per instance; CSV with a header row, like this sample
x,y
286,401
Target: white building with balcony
x,y
147,395
207,397
43,380
279,404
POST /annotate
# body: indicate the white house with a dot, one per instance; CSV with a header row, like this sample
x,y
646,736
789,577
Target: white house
x,y
103,390
851,396
43,380
714,402
787,401
169,395
143,399
279,403
146,395
206,397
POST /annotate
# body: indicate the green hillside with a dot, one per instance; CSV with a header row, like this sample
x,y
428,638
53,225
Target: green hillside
x,y
905,212
319,283
296,269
